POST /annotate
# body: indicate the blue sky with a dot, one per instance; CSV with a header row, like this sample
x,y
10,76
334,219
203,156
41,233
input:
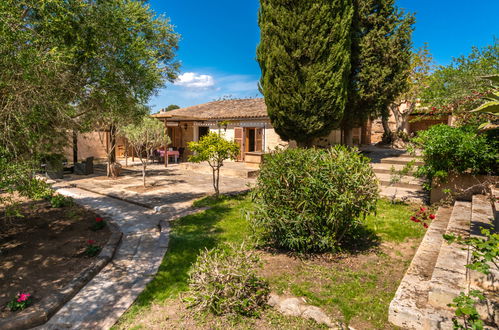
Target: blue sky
x,y
219,38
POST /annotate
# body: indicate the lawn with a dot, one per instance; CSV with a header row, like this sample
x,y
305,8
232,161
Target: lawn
x,y
354,287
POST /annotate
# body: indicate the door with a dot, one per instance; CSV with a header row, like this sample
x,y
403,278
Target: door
x,y
239,139
203,130
258,139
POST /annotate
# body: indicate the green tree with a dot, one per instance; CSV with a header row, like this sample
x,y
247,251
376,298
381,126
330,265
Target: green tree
x,y
418,81
304,56
35,83
381,54
145,137
84,65
214,149
458,87
491,105
171,107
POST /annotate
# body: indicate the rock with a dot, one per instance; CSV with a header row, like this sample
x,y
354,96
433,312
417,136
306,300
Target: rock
x,y
315,313
290,306
274,300
298,307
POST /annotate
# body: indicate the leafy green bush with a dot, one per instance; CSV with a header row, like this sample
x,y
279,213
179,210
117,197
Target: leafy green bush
x,y
447,150
309,199
224,281
58,200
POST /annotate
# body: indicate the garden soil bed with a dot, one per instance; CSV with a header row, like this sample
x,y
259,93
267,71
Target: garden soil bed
x,y
43,251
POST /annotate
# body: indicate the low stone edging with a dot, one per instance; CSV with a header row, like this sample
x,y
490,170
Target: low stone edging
x,y
460,184
49,305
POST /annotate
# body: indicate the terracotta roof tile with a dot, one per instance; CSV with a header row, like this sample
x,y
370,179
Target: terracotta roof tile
x,y
226,109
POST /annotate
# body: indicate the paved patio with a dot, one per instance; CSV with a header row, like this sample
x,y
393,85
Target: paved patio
x,y
166,187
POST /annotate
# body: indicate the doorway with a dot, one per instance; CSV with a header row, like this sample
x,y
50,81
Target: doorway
x,y
202,131
250,140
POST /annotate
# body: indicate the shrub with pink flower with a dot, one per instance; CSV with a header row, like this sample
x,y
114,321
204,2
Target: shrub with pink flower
x,y
20,302
423,216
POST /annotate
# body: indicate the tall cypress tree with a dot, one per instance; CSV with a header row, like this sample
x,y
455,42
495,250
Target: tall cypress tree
x,y
381,59
304,56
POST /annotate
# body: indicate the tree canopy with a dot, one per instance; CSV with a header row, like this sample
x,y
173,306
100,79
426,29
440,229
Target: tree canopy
x,y
77,64
145,137
458,87
304,56
327,64
381,55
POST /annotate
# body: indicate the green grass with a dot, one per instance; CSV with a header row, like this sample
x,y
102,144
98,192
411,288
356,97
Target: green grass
x,y
362,294
223,222
391,222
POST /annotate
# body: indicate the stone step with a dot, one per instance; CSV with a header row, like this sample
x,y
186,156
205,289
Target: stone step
x,y
402,160
389,168
405,181
409,309
450,274
410,195
482,216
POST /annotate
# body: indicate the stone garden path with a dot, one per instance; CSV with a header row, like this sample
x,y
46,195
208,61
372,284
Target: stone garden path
x,y
110,293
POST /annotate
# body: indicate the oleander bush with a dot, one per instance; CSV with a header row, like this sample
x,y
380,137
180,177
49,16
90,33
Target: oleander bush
x,y
224,281
309,200
455,150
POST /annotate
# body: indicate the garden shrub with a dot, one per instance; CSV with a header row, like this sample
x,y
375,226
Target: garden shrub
x,y
447,150
310,199
224,281
58,201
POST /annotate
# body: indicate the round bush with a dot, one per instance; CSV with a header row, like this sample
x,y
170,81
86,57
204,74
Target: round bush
x,y
224,281
457,150
308,199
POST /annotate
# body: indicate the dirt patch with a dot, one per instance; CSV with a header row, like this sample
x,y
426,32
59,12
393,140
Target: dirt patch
x,y
147,188
43,251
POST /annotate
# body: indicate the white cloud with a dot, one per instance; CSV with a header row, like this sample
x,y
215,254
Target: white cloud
x,y
194,80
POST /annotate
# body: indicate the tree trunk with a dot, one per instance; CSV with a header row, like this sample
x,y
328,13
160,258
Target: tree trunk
x,y
112,142
144,167
111,159
388,135
218,181
216,174
304,144
75,147
348,136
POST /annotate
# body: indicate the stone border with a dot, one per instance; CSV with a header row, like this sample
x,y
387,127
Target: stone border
x,y
49,305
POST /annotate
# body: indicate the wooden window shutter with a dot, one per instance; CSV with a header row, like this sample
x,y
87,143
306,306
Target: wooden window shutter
x,y
177,139
239,138
258,139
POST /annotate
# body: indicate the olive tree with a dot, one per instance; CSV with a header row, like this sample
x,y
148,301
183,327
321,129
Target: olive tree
x,y
214,149
145,137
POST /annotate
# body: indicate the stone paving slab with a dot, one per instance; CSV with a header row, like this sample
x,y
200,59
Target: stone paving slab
x,y
171,186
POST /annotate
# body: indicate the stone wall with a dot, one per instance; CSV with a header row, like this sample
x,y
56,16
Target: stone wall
x,y
89,145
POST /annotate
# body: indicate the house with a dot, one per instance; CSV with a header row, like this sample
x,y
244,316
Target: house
x,y
243,120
